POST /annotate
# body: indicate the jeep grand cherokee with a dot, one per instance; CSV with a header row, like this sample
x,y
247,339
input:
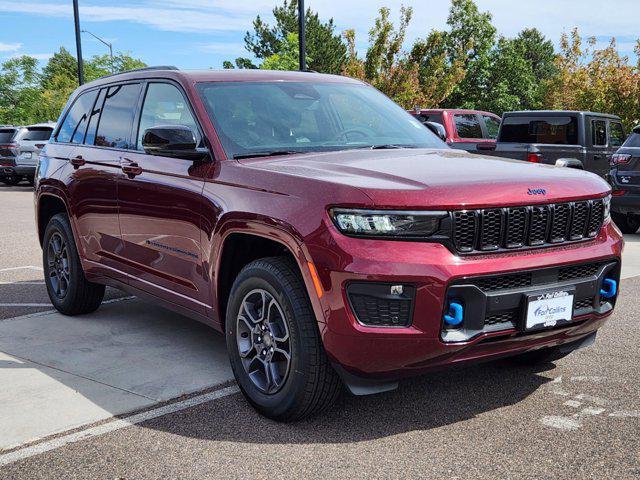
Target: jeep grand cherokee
x,y
330,235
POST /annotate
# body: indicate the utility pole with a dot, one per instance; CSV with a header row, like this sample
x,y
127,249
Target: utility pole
x,y
76,19
301,36
104,42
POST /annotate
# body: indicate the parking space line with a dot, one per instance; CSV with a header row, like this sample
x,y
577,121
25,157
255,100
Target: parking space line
x,y
25,267
19,282
47,312
25,304
114,425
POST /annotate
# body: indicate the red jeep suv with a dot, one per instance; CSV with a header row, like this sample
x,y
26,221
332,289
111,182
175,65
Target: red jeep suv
x,y
330,235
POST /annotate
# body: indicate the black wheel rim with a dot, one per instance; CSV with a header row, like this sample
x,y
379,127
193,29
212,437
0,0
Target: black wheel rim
x,y
58,265
263,341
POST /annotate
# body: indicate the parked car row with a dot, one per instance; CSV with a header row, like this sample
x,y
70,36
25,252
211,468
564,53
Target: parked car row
x,y
584,140
19,150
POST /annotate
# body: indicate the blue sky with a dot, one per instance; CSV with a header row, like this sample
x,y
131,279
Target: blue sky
x,y
202,33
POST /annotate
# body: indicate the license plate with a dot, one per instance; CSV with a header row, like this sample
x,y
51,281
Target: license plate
x,y
548,309
26,155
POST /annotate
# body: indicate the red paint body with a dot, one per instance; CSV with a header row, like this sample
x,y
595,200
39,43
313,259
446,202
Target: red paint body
x,y
445,116
162,233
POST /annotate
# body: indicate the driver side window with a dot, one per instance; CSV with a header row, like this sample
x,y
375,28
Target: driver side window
x,y
164,104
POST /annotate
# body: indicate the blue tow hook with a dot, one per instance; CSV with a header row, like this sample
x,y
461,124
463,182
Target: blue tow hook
x,y
455,315
609,288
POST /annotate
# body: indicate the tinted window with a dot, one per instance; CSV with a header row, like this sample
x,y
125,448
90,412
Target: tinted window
x,y
94,117
545,130
468,126
493,126
633,141
263,117
598,133
433,117
7,135
116,121
164,105
36,134
74,125
616,134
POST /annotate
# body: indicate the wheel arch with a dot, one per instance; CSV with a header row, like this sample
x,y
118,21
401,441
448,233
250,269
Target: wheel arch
x,y
239,246
48,205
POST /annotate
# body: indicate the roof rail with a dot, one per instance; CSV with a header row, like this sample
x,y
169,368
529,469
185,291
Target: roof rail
x,y
143,69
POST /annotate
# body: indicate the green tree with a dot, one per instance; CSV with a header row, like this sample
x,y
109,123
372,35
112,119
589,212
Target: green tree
x,y
19,90
326,52
287,58
470,40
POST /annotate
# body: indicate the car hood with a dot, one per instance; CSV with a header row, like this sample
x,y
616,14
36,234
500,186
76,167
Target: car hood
x,y
438,178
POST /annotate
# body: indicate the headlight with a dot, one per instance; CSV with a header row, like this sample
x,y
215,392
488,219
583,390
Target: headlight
x,y
607,208
381,223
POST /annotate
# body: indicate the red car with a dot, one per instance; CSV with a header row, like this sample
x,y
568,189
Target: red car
x,y
329,235
461,129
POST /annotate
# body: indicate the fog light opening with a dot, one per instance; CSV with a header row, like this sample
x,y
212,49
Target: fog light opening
x,y
454,315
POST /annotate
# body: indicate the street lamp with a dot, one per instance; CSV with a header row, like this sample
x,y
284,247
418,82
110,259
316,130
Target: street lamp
x,y
106,43
301,36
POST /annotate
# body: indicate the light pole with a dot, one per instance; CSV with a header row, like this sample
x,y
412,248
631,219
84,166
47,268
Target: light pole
x,y
76,20
106,43
301,36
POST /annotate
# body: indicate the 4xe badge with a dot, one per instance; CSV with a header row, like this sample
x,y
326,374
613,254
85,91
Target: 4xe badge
x,y
536,191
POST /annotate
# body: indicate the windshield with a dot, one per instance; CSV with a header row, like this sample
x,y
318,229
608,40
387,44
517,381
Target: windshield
x,y
262,118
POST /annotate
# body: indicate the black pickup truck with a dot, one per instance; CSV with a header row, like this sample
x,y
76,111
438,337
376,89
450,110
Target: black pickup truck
x,y
583,140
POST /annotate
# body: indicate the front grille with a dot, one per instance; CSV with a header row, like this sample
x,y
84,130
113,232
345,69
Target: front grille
x,y
584,303
523,227
504,317
536,278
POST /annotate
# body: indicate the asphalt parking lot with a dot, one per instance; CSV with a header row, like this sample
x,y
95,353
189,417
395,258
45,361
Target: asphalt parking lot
x,y
134,391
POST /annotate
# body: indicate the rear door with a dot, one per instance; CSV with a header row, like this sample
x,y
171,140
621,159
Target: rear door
x,y
104,131
468,131
597,145
161,207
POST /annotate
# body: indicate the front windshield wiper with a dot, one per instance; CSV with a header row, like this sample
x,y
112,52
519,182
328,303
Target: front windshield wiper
x,y
389,146
272,153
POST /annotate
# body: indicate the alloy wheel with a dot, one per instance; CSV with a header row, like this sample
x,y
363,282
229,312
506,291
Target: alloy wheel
x,y
263,341
59,265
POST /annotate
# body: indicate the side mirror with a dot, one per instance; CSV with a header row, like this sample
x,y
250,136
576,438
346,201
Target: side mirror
x,y
176,141
438,129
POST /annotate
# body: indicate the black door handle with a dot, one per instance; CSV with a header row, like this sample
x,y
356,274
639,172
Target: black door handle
x,y
77,162
130,168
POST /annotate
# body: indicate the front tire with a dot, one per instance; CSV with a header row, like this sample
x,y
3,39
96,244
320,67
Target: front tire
x,y
628,224
274,344
70,292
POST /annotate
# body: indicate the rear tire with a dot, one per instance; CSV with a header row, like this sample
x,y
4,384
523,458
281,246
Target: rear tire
x,y
69,290
305,383
626,223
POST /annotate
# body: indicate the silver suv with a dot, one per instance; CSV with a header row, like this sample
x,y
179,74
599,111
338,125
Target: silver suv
x,y
19,150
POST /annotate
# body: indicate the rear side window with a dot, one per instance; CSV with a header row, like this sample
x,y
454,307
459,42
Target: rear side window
x,y
38,134
633,141
616,134
94,117
75,123
493,126
6,135
433,117
545,130
116,121
598,133
468,126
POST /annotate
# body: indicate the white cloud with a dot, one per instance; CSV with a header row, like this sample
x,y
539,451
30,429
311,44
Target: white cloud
x,y
37,56
10,47
230,48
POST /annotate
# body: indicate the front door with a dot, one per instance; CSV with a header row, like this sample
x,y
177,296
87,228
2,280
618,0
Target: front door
x,y
160,200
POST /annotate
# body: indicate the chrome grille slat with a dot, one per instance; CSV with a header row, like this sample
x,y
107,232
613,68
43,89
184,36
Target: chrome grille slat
x,y
533,226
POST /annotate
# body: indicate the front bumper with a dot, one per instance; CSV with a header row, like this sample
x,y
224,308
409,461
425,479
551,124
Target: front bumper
x,y
394,352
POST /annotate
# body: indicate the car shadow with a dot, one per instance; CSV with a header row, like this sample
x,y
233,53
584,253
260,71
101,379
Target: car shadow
x,y
420,404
